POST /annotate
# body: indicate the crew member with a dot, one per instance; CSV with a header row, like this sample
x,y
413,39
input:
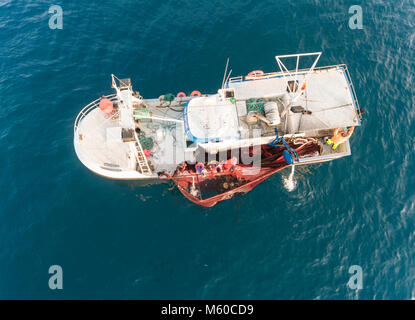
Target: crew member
x,y
230,164
200,168
340,136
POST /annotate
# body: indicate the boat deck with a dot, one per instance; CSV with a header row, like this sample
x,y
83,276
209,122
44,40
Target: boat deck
x,y
168,136
328,95
100,144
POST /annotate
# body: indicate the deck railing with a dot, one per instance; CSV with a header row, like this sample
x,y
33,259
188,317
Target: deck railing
x,y
354,96
88,108
279,73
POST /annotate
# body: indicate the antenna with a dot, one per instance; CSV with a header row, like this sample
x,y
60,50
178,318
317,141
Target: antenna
x,y
224,75
227,79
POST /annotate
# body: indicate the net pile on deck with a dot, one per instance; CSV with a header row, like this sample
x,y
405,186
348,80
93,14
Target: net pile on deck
x,y
218,183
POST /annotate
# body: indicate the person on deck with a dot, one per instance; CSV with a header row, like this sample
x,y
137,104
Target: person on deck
x,y
200,168
340,136
230,164
181,168
213,166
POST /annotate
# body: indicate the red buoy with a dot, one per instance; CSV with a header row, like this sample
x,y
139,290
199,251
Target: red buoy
x,y
106,105
147,153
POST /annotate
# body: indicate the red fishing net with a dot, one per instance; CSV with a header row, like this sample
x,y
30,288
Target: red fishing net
x,y
206,185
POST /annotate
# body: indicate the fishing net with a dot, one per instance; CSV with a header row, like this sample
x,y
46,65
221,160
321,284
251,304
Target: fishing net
x,y
146,142
211,187
255,105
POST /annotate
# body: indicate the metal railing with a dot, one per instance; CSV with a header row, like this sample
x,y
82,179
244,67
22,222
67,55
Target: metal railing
x,y
88,108
282,74
122,83
354,96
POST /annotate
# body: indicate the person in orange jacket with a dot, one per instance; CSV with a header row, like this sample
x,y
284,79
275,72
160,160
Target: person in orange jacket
x,y
340,136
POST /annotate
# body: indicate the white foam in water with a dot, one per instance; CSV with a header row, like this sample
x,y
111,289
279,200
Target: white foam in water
x,y
290,183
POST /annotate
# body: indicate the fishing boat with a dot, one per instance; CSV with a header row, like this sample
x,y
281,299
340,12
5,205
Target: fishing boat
x,y
216,146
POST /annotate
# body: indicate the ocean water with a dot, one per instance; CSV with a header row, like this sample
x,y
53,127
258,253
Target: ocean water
x,y
117,240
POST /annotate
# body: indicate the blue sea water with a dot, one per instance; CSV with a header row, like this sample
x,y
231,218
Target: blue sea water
x,y
117,240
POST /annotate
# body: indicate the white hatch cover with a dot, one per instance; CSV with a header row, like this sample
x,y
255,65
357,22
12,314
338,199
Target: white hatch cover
x,y
208,119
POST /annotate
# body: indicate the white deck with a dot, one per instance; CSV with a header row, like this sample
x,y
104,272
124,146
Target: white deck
x,y
328,95
168,137
99,147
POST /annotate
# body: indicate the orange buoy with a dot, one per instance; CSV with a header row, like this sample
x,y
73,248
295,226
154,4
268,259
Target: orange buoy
x,y
256,73
181,94
106,105
195,93
303,87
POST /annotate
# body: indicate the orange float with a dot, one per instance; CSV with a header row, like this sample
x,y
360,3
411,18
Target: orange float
x,y
256,73
195,93
106,105
304,86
